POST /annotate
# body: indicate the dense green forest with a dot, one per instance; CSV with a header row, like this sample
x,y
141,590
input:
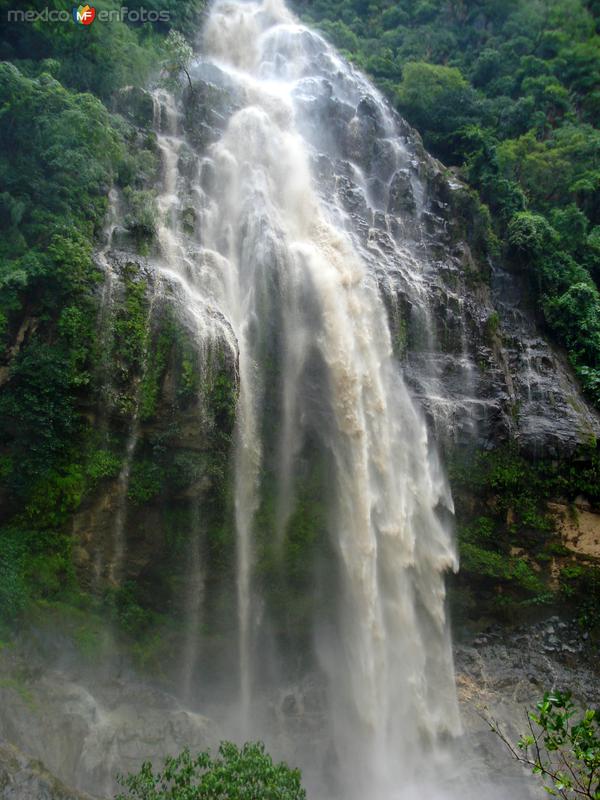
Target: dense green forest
x,y
61,149
508,92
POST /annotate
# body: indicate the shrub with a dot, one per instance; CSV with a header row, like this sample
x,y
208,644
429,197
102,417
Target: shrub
x,y
244,773
564,751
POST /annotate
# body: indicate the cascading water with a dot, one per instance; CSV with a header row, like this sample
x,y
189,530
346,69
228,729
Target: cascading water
x,y
282,264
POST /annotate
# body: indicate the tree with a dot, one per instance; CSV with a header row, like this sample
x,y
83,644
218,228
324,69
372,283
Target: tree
x,y
244,773
565,751
438,100
178,57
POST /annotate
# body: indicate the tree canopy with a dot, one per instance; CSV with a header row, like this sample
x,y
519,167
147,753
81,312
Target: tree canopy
x,y
236,773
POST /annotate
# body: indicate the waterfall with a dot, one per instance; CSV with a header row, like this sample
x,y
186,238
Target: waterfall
x,y
278,267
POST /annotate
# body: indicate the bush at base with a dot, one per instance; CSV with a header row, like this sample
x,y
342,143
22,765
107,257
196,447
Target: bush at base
x,y
245,773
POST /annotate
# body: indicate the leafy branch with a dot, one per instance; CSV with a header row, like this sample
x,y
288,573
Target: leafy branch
x,y
564,751
178,58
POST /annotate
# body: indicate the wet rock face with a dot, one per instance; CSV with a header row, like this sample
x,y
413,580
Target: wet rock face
x,y
24,778
551,654
578,526
401,195
207,109
552,418
135,105
501,674
164,414
85,726
466,330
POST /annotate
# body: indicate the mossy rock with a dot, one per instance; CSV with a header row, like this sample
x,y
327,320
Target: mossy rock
x,y
136,105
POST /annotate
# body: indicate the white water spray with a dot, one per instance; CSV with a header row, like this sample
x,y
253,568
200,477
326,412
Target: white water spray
x,y
281,264
388,661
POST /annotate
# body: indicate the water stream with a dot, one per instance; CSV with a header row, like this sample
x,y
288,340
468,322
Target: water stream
x,y
281,262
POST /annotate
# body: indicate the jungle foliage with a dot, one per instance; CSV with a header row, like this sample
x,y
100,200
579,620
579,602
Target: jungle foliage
x,y
507,542
561,745
238,773
61,149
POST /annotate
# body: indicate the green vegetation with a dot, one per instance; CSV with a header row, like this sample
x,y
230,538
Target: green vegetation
x,y
61,149
221,394
506,537
237,773
100,58
562,749
179,58
507,93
